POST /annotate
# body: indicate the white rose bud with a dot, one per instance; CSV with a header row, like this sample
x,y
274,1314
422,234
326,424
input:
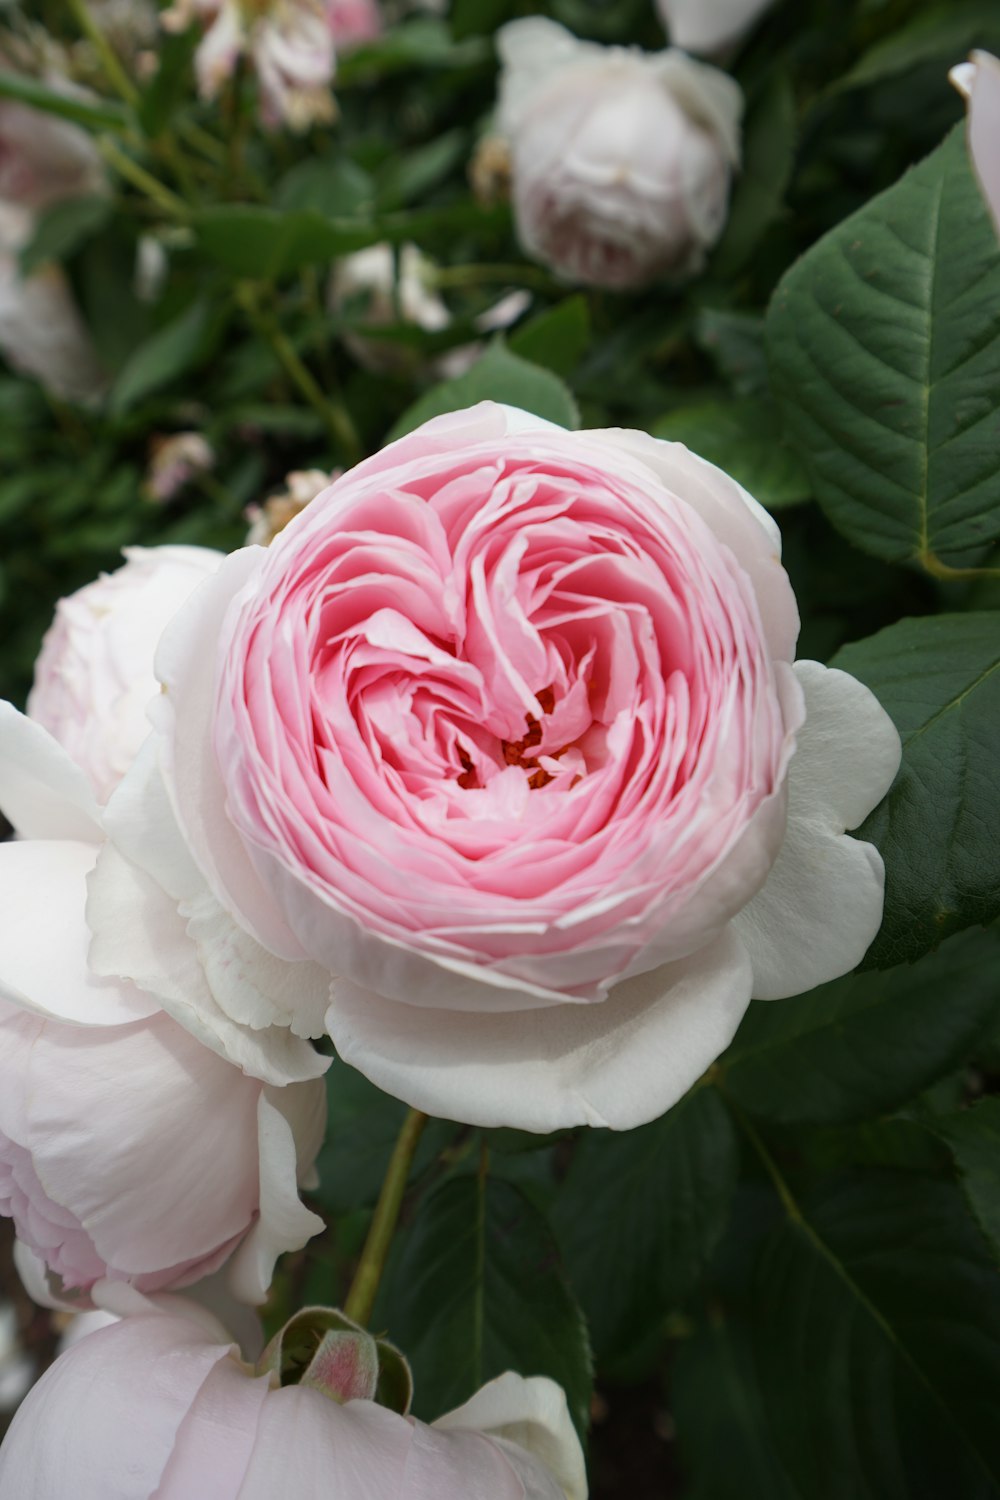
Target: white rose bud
x,y
709,25
94,674
622,159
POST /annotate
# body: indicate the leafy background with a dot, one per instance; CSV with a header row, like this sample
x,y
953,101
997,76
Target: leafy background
x,y
787,1287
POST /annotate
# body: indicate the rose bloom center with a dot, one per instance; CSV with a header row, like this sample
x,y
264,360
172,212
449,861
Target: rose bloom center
x,y
511,713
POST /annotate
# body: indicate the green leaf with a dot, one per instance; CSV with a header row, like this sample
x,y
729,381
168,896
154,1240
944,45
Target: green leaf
x,y
865,1044
264,243
945,35
884,343
163,357
939,828
734,342
974,1138
335,187
876,1335
410,175
557,338
361,1131
423,42
172,81
478,1290
501,376
62,228
715,1388
92,113
768,157
640,1213
744,438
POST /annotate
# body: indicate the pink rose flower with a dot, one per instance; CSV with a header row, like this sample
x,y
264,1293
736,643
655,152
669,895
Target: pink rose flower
x,y
709,25
502,735
621,159
94,674
978,81
168,1402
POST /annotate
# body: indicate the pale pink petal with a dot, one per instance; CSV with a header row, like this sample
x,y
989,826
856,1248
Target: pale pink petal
x,y
99,1453
360,1449
216,1439
822,904
619,1063
162,1167
284,1223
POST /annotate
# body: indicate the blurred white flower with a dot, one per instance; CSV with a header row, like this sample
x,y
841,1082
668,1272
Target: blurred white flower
x,y
44,159
366,284
978,81
41,332
301,486
709,25
290,44
151,267
175,461
622,159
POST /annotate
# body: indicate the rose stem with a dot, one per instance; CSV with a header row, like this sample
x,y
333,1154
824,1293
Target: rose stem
x,y
361,1297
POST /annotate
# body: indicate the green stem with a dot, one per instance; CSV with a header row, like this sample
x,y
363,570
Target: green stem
x,y
147,184
336,416
361,1297
117,75
528,276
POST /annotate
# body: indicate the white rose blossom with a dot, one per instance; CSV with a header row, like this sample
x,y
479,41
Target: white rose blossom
x,y
621,159
978,81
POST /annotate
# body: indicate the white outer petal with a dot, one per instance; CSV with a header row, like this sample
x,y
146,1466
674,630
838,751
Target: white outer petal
x,y
284,1223
44,938
618,1064
186,665
43,793
153,949
531,1413
821,905
979,82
